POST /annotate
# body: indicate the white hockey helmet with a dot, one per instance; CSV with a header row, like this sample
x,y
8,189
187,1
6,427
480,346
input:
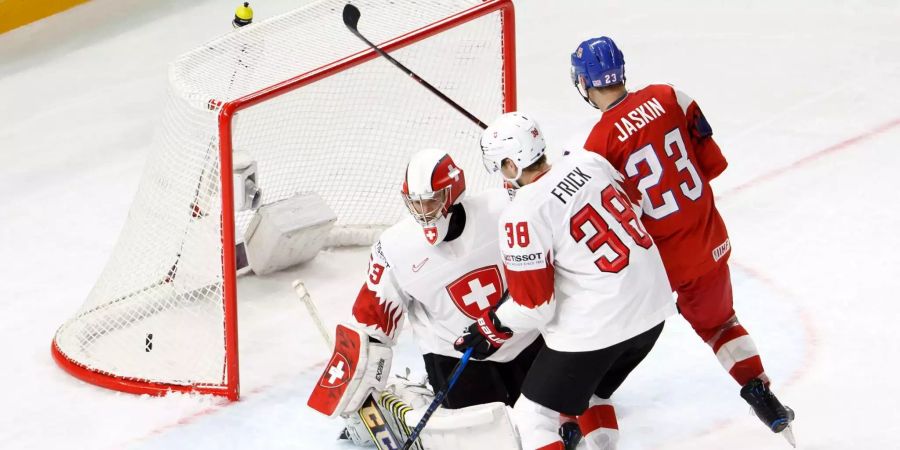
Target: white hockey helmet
x,y
433,184
513,136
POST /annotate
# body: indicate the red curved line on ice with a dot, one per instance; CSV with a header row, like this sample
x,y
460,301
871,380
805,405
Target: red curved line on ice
x,y
809,328
815,156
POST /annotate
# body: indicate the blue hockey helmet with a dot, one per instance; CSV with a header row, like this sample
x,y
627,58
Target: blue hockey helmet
x,y
597,62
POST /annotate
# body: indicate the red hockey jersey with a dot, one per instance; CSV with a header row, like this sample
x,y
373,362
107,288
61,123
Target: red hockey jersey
x,y
660,140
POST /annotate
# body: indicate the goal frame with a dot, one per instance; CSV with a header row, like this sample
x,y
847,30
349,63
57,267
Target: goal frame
x,y
230,386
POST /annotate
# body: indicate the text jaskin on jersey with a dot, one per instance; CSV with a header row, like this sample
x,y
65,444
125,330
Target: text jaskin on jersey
x,y
638,118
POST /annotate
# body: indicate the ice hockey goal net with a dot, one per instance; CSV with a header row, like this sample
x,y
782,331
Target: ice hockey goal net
x,y
319,112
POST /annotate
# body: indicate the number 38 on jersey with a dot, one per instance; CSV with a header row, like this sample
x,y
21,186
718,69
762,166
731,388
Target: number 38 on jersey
x,y
591,225
616,204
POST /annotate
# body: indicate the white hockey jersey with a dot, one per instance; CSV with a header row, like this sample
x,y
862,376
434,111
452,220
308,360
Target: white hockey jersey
x,y
441,289
579,264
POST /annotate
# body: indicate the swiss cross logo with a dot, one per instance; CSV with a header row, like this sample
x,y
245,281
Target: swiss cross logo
x,y
431,234
337,373
534,132
453,172
476,291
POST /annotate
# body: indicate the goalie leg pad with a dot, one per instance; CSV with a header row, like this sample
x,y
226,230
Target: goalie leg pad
x,y
356,369
381,425
395,411
287,232
356,431
483,426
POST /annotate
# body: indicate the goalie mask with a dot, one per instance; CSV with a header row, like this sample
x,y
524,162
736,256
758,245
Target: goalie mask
x,y
433,184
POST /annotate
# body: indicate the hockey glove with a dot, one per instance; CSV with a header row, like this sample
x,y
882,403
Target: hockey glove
x,y
486,335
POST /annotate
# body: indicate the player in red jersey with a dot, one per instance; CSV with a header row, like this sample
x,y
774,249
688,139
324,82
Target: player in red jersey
x,y
660,140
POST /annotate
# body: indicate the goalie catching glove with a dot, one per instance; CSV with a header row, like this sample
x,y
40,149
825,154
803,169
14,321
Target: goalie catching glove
x,y
357,368
486,335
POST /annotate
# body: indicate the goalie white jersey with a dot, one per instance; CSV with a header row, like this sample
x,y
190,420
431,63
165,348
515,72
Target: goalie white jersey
x,y
442,288
579,264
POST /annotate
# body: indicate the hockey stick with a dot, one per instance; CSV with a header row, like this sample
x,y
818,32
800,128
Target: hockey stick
x,y
301,291
351,20
438,399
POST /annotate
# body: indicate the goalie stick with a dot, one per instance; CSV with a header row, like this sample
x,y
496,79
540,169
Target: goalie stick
x,y
371,413
303,294
351,20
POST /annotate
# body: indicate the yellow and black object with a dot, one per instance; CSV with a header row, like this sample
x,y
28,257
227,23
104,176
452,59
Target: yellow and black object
x,y
243,15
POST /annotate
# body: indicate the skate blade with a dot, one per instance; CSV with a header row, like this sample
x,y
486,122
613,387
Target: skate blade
x,y
788,434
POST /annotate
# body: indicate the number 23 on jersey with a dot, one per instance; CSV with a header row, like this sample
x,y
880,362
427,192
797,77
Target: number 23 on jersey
x,y
660,204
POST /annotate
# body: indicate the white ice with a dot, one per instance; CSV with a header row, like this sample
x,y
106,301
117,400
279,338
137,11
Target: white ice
x,y
803,98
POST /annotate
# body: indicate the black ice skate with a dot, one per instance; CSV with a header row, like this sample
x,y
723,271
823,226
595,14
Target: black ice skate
x,y
769,410
570,434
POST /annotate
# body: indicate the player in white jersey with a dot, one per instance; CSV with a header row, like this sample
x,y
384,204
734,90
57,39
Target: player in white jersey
x,y
580,268
440,268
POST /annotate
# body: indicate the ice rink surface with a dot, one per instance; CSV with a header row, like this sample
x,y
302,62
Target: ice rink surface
x,y
803,99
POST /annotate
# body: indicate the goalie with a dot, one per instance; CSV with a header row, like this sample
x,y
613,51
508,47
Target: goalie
x,y
440,268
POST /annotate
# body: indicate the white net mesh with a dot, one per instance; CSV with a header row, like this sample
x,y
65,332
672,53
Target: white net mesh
x,y
156,313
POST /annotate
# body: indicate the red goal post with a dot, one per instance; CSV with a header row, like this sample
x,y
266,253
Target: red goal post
x,y
88,346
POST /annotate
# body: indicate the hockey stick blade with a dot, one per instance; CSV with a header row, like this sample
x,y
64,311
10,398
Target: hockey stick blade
x,y
352,15
438,398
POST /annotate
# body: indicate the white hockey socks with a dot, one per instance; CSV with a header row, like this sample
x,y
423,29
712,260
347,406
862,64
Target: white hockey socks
x,y
538,425
599,427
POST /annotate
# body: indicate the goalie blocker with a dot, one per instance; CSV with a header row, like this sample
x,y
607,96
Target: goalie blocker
x,y
357,368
